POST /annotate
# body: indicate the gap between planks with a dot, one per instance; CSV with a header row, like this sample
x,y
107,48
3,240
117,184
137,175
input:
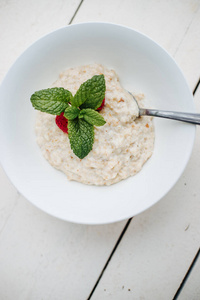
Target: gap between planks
x,y
178,292
74,15
110,257
196,87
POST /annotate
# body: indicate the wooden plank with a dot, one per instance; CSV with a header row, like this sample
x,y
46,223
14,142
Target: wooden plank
x,y
172,24
188,52
191,289
159,244
23,22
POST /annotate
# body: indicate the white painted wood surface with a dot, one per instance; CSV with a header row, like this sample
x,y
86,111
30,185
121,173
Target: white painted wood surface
x,y
188,53
23,22
45,258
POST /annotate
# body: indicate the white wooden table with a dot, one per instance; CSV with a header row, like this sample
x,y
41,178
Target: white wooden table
x,y
153,256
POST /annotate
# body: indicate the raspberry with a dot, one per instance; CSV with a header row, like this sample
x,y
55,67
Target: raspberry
x,y
62,122
102,105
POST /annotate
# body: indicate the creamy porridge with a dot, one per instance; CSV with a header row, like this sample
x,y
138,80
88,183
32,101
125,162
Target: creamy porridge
x,y
121,146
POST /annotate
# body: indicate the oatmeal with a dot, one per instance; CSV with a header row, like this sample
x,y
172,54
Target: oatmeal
x,y
121,146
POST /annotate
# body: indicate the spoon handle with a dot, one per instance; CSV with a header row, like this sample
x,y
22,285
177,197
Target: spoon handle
x,y
179,116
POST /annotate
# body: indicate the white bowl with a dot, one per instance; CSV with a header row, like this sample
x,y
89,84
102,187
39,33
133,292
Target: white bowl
x,y
143,66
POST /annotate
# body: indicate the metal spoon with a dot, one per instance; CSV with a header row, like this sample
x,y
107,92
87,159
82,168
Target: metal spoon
x,y
174,115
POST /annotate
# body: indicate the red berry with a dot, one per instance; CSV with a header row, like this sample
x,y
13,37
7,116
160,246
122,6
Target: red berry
x,y
62,122
102,105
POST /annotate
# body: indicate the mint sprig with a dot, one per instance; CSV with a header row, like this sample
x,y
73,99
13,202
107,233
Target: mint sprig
x,y
80,110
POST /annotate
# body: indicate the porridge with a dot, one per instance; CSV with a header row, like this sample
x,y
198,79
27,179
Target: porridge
x,y
121,146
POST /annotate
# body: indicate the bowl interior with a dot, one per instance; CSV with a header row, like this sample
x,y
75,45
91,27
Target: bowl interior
x,y
142,66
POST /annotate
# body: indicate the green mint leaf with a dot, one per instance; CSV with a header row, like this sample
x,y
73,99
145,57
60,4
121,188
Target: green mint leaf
x,y
53,101
91,93
81,95
92,117
97,88
81,137
71,113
